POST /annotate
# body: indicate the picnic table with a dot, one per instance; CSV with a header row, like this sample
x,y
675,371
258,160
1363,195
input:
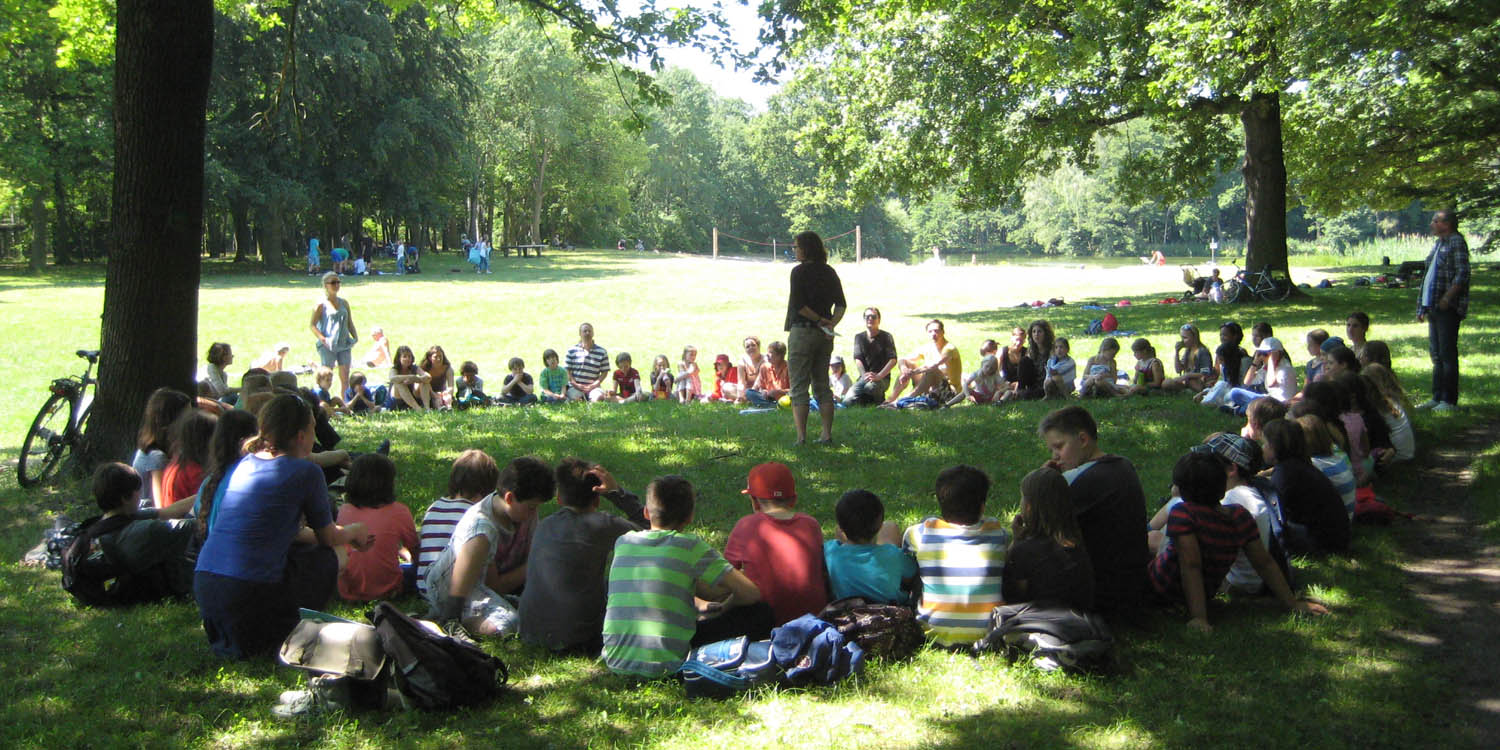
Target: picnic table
x,y
521,250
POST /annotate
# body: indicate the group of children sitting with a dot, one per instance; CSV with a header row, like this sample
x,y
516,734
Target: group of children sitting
x,y
638,588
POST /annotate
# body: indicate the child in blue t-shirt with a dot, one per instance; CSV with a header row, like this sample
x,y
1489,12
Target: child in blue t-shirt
x,y
866,559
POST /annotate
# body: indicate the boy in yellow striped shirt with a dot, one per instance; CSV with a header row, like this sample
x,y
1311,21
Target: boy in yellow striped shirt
x,y
960,559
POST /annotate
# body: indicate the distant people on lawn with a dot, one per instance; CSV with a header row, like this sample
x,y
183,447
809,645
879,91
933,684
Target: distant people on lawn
x,y
1442,304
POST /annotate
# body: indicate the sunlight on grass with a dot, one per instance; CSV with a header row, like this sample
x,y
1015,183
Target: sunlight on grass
x,y
1359,680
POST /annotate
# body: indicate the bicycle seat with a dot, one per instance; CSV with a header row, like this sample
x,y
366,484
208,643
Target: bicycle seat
x,y
92,355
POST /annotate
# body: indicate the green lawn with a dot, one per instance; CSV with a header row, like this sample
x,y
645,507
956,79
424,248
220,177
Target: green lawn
x,y
1261,679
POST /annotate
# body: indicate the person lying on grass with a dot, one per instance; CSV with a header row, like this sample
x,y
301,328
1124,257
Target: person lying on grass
x,y
485,560
1204,538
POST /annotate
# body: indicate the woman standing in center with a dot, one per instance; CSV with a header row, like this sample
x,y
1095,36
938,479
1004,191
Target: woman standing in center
x,y
813,309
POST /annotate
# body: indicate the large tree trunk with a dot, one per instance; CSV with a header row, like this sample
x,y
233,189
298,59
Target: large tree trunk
x,y
38,231
1265,184
239,216
163,55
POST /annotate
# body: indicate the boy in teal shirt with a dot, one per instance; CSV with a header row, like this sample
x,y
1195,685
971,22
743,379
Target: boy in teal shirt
x,y
865,560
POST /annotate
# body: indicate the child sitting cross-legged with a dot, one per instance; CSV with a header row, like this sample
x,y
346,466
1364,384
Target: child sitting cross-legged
x,y
1204,539
377,572
960,559
627,381
562,606
651,619
780,550
485,560
865,560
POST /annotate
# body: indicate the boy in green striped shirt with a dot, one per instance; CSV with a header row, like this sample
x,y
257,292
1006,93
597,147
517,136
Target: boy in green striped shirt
x,y
651,619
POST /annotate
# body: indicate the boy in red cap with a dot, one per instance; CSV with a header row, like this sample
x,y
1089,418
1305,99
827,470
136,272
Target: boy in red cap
x,y
779,549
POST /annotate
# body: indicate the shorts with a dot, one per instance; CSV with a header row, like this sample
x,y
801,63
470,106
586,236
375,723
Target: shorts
x,y
807,353
330,358
498,611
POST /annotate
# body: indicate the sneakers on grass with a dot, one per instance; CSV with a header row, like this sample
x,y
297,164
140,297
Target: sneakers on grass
x,y
1443,406
1428,404
323,694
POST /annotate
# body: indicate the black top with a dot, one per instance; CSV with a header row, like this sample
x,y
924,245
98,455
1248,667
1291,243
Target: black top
x,y
1022,373
874,355
1309,498
1111,509
814,285
1041,570
515,390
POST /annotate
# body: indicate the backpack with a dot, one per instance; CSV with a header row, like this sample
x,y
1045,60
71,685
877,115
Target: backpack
x,y
884,630
1053,635
1372,511
1109,322
1279,527
434,671
1095,327
87,575
805,651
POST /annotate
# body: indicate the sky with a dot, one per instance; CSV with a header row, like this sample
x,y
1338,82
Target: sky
x,y
744,24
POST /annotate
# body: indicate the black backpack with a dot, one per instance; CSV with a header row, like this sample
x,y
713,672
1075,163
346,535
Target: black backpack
x,y
1053,636
87,575
434,671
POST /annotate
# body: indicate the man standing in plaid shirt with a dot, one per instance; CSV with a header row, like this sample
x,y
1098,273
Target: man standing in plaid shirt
x,y
1443,303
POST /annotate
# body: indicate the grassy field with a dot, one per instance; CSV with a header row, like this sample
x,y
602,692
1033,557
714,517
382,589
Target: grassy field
x,y
1262,679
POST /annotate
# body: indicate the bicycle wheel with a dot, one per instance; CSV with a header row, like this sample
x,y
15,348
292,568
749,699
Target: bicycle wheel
x,y
46,442
1278,290
1233,290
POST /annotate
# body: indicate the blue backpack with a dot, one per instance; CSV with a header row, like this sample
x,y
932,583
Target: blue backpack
x,y
805,651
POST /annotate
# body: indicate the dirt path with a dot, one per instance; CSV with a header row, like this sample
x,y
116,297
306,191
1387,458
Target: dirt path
x,y
1455,573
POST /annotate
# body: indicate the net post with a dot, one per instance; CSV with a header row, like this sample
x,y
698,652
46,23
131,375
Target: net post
x,y
859,250
716,243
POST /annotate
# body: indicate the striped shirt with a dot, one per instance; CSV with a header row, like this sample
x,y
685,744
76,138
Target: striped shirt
x,y
649,620
587,365
437,529
961,569
1221,531
1338,470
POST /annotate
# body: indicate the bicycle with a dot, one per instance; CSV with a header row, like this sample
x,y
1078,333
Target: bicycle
x,y
58,427
1260,284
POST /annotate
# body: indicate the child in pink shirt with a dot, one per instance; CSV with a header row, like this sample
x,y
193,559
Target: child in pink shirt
x,y
376,572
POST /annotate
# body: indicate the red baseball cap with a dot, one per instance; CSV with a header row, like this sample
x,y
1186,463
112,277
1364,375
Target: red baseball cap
x,y
722,358
771,481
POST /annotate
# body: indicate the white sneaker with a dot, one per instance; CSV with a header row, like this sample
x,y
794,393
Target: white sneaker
x,y
1444,406
1428,404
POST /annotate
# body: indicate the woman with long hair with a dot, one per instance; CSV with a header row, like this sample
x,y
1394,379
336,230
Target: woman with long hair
x,y
270,551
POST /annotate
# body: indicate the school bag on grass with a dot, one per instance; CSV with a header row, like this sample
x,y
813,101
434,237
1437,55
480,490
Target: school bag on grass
x,y
805,651
884,630
1053,636
95,580
434,671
